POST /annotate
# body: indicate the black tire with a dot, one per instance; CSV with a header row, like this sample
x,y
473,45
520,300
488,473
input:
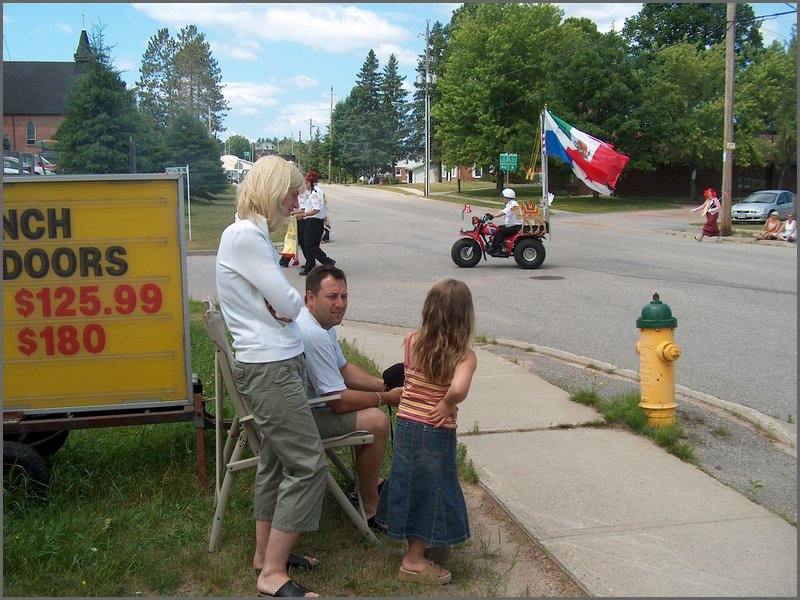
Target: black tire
x,y
466,253
23,468
43,442
529,253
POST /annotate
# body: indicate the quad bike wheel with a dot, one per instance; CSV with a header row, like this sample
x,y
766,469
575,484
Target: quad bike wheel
x,y
529,253
466,253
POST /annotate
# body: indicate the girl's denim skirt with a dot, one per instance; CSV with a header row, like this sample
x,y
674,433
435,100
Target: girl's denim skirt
x,y
422,497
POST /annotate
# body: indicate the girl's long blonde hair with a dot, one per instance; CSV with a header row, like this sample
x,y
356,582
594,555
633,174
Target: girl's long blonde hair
x,y
448,326
265,186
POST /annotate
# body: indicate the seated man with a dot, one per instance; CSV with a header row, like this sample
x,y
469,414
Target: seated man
x,y
328,373
512,223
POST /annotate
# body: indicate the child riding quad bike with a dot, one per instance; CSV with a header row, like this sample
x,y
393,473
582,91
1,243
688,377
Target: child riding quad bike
x,y
525,246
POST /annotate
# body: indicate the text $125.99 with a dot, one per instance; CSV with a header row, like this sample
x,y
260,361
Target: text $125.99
x,y
85,300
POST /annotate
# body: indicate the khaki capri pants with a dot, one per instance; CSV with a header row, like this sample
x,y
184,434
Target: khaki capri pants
x,y
292,467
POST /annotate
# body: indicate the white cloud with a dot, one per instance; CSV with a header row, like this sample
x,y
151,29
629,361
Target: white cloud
x,y
64,27
245,50
247,99
335,28
302,82
405,57
604,14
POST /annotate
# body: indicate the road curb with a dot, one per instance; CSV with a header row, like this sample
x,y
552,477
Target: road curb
x,y
772,427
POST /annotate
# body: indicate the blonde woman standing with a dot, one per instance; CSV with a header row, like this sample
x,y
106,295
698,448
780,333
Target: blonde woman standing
x,y
260,307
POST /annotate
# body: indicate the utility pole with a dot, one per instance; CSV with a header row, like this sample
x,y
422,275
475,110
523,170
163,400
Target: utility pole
x,y
728,145
330,153
427,115
310,125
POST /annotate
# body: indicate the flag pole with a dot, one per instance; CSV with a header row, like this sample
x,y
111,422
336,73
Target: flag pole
x,y
545,175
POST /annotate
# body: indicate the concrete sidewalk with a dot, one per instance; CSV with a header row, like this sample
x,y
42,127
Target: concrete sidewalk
x,y
620,515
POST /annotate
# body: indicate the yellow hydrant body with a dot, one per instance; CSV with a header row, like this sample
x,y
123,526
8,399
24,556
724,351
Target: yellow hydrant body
x,y
657,355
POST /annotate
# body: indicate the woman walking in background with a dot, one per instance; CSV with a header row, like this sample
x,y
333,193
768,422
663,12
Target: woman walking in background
x,y
710,210
313,215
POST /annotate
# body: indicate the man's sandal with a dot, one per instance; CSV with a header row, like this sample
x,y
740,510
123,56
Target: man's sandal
x,y
300,563
429,575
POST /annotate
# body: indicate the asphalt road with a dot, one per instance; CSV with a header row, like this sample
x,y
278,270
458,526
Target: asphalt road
x,y
736,303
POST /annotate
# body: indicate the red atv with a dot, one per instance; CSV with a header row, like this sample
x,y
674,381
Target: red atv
x,y
526,246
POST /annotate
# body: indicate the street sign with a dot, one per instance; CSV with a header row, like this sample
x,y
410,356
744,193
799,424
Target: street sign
x,y
508,162
175,170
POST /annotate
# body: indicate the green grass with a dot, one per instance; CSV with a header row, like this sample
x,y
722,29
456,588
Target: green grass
x,y
209,219
625,411
124,516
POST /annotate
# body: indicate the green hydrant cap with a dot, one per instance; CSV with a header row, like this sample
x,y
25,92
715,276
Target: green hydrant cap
x,y
656,315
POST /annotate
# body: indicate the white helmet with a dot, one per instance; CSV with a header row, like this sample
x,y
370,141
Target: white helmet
x,y
508,193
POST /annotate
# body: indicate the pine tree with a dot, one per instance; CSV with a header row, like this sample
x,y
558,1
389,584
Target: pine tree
x,y
101,121
189,143
367,146
181,76
395,107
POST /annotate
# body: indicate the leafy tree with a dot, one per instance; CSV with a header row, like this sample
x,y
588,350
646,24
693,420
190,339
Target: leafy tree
x,y
679,118
237,145
190,144
659,25
495,82
101,120
765,107
395,108
181,76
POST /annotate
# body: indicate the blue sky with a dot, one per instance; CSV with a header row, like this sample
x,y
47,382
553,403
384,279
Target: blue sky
x,y
278,61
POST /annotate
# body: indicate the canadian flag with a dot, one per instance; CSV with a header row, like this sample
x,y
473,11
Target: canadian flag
x,y
467,208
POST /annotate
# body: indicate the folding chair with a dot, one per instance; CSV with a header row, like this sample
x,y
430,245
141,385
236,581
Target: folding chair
x,y
244,433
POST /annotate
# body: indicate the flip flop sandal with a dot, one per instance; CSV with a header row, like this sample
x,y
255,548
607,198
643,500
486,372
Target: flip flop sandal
x,y
290,589
428,576
301,563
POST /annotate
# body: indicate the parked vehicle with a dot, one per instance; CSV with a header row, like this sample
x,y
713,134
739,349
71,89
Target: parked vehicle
x,y
757,206
11,165
526,246
49,167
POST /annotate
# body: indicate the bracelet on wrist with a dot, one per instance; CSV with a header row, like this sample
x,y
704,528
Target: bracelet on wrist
x,y
380,400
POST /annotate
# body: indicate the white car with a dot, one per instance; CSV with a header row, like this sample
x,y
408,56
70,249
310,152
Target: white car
x,y
11,167
757,206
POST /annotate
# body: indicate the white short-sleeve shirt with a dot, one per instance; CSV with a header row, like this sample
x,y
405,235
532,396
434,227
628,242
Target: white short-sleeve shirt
x,y
324,358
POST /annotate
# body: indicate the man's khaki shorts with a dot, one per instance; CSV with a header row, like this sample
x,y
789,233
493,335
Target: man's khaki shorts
x,y
331,424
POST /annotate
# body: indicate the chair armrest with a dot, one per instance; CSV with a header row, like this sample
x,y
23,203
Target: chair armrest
x,y
330,398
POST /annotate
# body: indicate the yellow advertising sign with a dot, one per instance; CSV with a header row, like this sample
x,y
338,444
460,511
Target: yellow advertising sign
x,y
94,304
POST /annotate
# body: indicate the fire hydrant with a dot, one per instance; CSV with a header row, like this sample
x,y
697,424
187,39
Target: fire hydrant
x,y
657,353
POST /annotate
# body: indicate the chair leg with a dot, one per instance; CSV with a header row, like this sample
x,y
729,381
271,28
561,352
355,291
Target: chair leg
x,y
358,520
339,464
225,493
230,444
